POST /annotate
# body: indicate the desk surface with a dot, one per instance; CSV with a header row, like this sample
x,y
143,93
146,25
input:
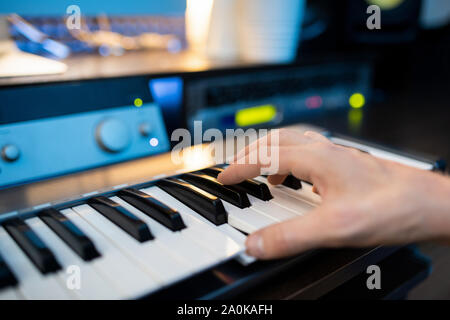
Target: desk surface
x,y
133,63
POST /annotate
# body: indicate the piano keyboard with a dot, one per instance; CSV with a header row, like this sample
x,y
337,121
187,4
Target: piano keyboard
x,y
136,241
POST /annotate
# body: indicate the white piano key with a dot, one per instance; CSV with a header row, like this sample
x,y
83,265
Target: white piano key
x,y
285,200
272,209
240,238
176,242
288,201
113,263
32,284
92,284
247,220
164,267
199,228
10,294
305,193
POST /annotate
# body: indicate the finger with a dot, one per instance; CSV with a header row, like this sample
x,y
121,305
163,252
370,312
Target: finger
x,y
283,137
276,179
270,139
302,161
290,137
291,237
253,165
315,190
236,173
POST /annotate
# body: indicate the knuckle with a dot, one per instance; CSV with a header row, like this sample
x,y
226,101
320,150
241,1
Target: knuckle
x,y
341,152
323,147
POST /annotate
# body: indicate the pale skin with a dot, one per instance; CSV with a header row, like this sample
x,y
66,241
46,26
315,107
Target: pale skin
x,y
366,201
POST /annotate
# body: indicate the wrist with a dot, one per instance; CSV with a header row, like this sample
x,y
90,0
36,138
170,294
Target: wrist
x,y
438,206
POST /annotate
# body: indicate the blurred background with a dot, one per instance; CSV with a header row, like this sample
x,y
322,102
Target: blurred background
x,y
230,64
236,63
251,49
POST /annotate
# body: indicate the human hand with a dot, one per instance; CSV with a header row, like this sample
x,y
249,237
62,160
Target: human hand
x,y
365,200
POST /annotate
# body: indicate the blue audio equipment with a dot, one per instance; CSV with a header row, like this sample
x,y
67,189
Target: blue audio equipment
x,y
110,7
276,96
168,94
41,148
47,100
55,28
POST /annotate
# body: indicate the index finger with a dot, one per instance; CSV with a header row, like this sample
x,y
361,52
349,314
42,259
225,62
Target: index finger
x,y
303,158
282,137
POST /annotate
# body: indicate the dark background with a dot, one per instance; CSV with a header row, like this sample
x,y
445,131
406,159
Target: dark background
x,y
410,104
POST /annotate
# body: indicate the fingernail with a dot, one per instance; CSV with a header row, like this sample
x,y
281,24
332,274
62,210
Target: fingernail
x,y
220,178
255,246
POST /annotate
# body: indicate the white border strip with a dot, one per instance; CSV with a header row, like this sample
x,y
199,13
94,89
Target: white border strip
x,y
384,154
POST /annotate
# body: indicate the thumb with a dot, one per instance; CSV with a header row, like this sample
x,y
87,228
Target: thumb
x,y
290,237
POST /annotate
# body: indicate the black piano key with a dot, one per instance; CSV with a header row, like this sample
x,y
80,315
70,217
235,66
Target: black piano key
x,y
202,202
212,171
153,208
7,278
232,195
292,182
32,245
256,188
69,233
121,217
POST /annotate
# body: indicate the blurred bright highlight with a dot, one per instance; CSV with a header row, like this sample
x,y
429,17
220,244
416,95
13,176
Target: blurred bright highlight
x,y
138,102
314,102
198,156
386,4
154,142
355,120
357,100
198,14
255,115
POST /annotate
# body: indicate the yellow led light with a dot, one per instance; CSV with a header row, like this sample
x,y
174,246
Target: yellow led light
x,y
386,4
255,115
138,102
357,100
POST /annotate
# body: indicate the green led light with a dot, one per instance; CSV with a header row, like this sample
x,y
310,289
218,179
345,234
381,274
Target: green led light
x,y
255,115
138,102
357,100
